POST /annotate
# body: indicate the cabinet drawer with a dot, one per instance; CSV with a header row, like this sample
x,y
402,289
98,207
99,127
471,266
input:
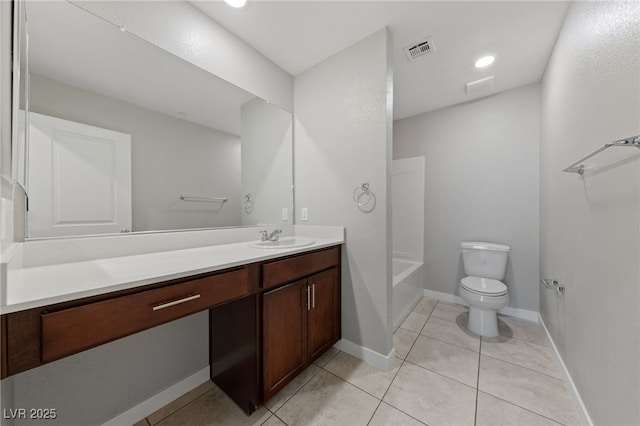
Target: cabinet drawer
x,y
294,268
75,329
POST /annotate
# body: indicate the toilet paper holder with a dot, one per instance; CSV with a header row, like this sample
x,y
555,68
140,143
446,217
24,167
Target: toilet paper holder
x,y
551,283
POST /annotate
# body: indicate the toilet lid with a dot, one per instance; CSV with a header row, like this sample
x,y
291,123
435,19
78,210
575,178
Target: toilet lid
x,y
484,286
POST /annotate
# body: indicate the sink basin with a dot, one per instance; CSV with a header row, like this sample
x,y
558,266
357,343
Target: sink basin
x,y
282,243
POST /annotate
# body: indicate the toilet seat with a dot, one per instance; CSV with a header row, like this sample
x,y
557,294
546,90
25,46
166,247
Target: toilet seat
x,y
484,286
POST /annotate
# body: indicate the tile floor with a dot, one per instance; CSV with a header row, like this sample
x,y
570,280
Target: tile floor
x,y
443,375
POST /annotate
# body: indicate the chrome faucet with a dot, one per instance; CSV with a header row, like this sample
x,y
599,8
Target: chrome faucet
x,y
275,235
266,236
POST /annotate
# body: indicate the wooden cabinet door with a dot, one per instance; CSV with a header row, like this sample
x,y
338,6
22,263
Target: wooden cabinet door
x,y
284,335
323,316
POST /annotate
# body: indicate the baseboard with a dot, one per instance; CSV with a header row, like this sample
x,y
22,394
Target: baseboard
x,y
384,362
159,400
524,314
581,410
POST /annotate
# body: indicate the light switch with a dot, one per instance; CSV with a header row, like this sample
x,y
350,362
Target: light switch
x,y
305,214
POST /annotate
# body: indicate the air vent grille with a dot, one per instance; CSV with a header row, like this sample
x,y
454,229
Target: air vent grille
x,y
418,49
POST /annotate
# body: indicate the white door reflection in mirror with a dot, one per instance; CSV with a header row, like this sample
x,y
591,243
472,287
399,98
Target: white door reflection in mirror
x,y
79,178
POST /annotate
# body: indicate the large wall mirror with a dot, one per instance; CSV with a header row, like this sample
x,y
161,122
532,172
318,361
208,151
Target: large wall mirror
x,y
123,136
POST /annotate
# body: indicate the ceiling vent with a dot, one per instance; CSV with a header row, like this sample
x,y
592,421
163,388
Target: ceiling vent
x,y
480,86
418,49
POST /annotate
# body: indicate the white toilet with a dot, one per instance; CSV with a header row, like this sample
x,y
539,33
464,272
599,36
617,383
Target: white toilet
x,y
485,265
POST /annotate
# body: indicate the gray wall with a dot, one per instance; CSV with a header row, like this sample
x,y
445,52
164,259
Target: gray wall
x,y
96,385
481,184
590,225
342,132
169,157
267,163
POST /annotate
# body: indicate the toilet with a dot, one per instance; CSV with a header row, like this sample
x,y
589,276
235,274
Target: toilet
x,y
485,265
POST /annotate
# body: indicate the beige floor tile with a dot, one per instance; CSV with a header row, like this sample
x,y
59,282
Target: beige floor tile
x,y
493,411
386,415
326,357
425,306
524,354
414,322
534,391
328,400
288,391
176,404
273,421
431,398
402,342
523,330
451,332
365,376
214,408
448,311
449,360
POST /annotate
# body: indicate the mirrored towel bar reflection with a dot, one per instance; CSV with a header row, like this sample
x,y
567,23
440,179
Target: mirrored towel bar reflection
x,y
578,166
197,198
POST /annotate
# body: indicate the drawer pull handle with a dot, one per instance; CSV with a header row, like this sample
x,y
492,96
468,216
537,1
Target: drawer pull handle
x,y
176,302
313,296
308,299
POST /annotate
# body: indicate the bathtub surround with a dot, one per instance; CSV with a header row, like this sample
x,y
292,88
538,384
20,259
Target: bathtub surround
x,y
481,184
407,194
343,138
590,225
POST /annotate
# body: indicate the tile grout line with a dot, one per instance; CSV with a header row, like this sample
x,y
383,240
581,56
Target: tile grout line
x,y
180,408
357,387
526,368
524,408
475,414
453,344
387,391
297,390
440,374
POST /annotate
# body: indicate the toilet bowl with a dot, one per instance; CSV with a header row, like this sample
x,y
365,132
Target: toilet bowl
x,y
485,265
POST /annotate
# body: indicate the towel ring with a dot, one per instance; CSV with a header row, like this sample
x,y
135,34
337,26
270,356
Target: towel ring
x,y
360,191
248,203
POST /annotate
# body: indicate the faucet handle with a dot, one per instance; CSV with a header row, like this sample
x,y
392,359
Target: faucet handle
x,y
264,235
275,235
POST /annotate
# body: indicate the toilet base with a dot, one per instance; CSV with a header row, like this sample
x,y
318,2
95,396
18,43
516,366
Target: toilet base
x,y
483,322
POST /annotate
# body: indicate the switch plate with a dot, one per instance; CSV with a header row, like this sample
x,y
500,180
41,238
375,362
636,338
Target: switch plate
x,y
304,214
285,213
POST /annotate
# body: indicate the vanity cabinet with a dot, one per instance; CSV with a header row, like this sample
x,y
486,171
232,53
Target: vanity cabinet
x,y
301,319
37,336
268,321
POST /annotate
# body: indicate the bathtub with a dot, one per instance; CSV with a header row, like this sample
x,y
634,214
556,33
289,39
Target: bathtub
x,y
407,287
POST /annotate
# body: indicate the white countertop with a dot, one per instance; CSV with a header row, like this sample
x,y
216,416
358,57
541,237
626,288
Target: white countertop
x,y
36,286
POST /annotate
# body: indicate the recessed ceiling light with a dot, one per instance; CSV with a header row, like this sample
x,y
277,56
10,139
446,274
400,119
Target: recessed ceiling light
x,y
485,61
236,3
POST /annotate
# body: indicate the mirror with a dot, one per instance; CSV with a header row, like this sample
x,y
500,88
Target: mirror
x,y
123,136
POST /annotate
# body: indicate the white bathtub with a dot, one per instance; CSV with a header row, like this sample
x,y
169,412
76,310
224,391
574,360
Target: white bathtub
x,y
407,287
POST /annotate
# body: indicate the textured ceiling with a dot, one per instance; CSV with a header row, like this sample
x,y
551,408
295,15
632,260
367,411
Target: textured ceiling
x,y
299,34
72,46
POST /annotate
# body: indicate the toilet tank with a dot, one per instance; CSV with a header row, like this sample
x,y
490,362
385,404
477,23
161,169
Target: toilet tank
x,y
485,260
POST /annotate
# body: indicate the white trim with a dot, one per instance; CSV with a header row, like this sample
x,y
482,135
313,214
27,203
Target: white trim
x,y
384,362
159,400
524,314
578,404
